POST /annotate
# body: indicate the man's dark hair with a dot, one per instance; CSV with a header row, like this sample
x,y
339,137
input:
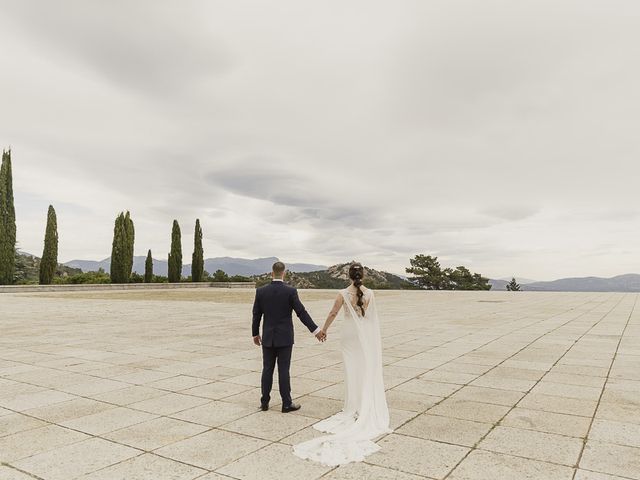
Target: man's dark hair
x,y
278,268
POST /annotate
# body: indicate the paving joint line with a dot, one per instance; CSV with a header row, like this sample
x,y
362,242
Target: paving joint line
x,y
475,446
613,359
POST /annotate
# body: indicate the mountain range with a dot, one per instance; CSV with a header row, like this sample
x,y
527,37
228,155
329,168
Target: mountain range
x,y
230,265
321,276
629,282
337,276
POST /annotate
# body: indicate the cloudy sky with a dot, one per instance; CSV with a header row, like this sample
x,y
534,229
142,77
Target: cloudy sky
x,y
498,134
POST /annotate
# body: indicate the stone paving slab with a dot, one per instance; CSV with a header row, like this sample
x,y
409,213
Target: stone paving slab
x,y
165,385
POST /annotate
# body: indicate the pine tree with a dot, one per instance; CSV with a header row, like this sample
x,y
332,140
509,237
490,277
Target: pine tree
x,y
175,257
49,261
148,268
7,222
512,286
197,261
427,272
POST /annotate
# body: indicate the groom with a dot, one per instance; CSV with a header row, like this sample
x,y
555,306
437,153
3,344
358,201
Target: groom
x,y
276,301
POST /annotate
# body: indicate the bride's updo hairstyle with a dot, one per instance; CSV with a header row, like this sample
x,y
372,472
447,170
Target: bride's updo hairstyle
x,y
356,273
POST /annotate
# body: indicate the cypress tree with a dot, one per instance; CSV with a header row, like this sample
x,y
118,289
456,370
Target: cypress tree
x,y
148,268
197,261
175,256
115,251
130,238
122,249
118,250
49,260
7,222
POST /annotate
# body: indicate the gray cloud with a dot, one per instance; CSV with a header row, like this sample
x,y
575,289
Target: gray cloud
x,y
266,179
146,45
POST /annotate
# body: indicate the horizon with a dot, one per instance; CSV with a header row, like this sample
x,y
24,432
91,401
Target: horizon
x,y
518,278
497,135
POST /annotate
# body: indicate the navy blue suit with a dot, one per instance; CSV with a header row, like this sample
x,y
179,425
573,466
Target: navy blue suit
x,y
276,302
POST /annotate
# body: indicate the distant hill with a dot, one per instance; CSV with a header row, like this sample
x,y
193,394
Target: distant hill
x,y
230,265
520,280
307,275
622,283
497,284
337,276
501,283
28,268
629,282
90,265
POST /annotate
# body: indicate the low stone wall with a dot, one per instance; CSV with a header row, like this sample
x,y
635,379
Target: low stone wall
x,y
121,286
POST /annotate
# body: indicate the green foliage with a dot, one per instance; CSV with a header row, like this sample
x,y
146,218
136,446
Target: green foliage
x,y
28,270
122,249
427,272
116,245
220,276
136,278
130,235
175,256
513,286
82,278
7,222
428,275
148,268
119,251
197,260
49,261
239,278
462,279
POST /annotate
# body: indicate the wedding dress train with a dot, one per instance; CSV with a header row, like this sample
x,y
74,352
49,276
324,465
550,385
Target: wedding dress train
x,y
365,414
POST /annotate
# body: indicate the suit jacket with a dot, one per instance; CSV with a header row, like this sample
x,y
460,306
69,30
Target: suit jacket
x,y
276,301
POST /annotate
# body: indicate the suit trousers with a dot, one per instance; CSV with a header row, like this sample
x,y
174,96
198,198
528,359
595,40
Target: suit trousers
x,y
269,357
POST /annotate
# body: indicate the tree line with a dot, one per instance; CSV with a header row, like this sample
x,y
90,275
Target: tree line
x,y
121,270
428,274
122,250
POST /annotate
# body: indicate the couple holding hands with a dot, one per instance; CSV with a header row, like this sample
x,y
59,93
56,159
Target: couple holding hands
x,y
365,414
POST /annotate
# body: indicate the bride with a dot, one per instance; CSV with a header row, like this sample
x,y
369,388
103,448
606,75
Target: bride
x,y
365,414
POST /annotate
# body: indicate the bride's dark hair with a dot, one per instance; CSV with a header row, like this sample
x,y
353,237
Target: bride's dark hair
x,y
356,273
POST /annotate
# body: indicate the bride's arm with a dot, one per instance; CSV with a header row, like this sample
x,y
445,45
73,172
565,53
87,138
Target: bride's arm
x,y
337,305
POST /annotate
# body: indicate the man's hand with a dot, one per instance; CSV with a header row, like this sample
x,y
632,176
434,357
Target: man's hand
x,y
257,340
321,336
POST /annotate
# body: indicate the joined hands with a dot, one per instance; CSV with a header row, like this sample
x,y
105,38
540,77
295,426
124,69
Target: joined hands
x,y
321,336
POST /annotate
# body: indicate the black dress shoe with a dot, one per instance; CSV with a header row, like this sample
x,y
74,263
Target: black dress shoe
x,y
291,408
264,407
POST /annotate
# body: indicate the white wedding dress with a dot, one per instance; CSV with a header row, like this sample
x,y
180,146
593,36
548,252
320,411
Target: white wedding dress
x,y
365,414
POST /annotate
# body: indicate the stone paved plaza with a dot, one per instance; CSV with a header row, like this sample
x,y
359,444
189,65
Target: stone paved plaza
x,y
163,385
